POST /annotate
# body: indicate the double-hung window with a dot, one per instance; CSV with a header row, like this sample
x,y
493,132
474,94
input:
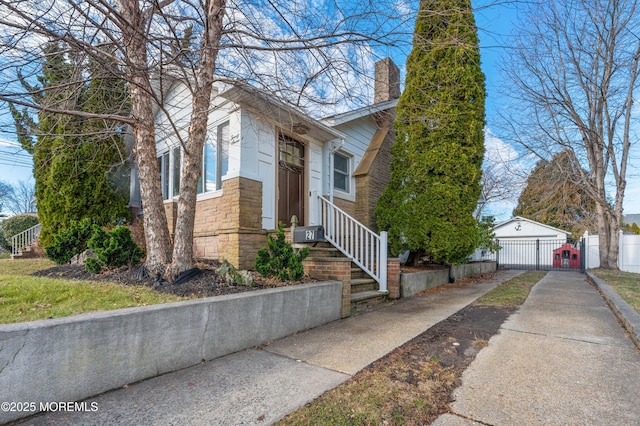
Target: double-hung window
x,y
215,164
177,167
169,164
163,165
215,160
341,172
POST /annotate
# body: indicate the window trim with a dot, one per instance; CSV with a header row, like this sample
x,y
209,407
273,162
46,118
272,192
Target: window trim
x,y
219,149
349,174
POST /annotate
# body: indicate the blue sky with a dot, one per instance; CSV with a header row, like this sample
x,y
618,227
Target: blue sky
x,y
494,22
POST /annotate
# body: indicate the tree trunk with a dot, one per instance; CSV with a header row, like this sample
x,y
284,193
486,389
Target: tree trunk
x,y
607,239
156,230
614,247
191,167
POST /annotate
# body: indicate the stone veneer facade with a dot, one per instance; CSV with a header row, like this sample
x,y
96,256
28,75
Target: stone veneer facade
x,y
228,227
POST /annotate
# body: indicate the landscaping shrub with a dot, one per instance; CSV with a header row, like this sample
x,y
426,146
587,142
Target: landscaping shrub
x,y
70,241
280,259
4,244
15,225
112,249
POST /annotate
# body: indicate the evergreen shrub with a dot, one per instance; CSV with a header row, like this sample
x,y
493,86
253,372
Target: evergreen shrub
x,y
280,259
70,242
112,249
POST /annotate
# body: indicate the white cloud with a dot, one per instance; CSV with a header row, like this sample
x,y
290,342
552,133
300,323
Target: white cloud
x,y
496,148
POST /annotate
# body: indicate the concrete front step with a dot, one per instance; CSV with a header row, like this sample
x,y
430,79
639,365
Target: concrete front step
x,y
364,289
356,272
366,300
25,253
359,285
321,252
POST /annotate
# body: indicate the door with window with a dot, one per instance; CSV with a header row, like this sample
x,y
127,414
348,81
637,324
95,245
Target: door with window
x,y
290,180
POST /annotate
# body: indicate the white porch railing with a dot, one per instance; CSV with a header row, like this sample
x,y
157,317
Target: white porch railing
x,y
24,239
364,247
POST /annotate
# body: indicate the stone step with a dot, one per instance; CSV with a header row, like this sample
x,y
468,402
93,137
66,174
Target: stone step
x,y
315,252
367,300
26,253
356,272
360,285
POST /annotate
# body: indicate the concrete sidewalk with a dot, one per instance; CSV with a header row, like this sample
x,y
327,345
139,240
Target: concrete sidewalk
x,y
260,386
561,359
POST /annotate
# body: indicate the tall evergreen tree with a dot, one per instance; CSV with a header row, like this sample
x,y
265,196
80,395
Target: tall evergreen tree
x,y
436,167
553,198
74,158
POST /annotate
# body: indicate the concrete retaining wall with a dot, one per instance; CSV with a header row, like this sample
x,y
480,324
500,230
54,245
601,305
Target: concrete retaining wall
x,y
414,282
73,358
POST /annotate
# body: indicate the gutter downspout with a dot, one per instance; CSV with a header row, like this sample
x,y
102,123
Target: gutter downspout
x,y
331,166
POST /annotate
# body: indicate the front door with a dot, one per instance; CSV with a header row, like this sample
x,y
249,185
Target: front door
x,y
290,180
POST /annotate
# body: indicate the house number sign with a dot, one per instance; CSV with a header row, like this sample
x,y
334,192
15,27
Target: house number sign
x,y
308,234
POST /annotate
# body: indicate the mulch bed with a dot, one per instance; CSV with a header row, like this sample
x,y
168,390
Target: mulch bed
x,y
204,284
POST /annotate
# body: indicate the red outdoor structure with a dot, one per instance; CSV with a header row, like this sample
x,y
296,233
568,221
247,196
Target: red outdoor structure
x,y
566,256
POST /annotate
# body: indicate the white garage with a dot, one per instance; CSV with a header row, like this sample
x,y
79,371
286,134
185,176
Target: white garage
x,y
527,244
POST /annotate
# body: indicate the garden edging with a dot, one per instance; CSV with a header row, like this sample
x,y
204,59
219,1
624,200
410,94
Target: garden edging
x,y
73,358
628,316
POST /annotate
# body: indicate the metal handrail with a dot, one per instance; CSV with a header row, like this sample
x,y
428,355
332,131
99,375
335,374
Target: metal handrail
x,y
24,239
364,247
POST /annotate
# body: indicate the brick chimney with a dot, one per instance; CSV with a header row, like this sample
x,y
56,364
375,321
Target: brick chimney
x,y
387,81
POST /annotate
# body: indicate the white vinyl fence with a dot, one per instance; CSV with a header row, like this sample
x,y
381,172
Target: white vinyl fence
x,y
628,255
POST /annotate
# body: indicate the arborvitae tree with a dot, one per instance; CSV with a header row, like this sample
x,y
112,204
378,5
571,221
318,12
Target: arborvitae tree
x,y
74,158
633,228
436,167
553,198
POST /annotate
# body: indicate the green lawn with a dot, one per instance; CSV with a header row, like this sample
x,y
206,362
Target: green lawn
x,y
27,298
626,284
513,293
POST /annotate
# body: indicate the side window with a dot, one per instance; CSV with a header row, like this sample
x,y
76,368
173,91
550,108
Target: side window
x,y
209,167
215,160
177,162
163,165
341,172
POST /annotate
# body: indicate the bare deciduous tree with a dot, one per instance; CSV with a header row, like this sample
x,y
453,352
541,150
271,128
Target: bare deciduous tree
x,y
5,192
294,49
21,199
573,70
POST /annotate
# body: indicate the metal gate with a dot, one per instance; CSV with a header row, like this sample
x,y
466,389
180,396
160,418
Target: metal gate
x,y
543,255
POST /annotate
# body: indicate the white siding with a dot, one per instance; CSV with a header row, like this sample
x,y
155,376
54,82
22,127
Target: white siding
x,y
527,230
258,147
316,179
359,134
175,115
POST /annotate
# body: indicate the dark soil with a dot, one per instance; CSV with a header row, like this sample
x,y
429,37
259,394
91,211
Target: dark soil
x,y
413,384
204,284
455,341
453,344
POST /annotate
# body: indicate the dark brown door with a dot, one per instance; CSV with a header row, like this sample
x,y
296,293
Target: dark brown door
x,y
290,180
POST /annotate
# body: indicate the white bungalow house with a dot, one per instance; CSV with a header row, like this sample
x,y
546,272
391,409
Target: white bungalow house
x,y
265,161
